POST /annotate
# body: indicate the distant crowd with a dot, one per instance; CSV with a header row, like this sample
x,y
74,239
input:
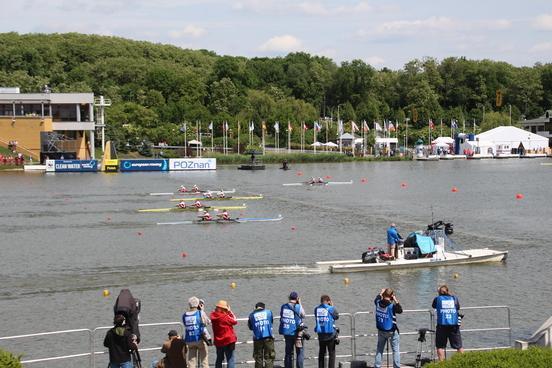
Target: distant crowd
x,y
191,349
15,159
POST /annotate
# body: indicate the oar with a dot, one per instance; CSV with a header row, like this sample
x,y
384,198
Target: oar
x,y
339,182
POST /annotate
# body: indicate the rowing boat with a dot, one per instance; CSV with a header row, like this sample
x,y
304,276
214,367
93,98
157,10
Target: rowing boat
x,y
237,220
192,209
194,193
323,183
440,259
260,196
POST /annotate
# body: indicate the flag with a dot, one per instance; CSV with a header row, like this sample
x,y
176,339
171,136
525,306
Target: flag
x,y
391,127
378,127
263,125
289,127
453,124
305,127
317,126
431,125
277,127
211,126
354,127
365,126
251,126
225,126
340,127
183,128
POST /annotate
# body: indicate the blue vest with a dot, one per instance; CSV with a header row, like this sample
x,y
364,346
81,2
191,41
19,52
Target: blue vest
x,y
384,317
324,319
447,314
261,321
289,319
193,326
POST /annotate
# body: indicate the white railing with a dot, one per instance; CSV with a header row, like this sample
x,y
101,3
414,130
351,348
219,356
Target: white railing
x,y
358,329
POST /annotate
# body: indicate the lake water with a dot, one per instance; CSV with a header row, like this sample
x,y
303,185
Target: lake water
x,y
67,237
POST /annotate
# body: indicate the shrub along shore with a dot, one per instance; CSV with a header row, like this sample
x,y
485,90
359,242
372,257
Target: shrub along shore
x,y
294,158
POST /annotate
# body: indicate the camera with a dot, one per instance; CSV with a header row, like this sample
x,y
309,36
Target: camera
x,y
336,339
302,333
207,341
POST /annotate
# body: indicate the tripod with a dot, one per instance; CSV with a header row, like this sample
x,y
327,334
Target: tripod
x,y
420,349
136,359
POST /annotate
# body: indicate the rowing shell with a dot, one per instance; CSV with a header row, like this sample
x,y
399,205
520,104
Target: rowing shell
x,y
260,196
194,193
237,220
178,209
324,183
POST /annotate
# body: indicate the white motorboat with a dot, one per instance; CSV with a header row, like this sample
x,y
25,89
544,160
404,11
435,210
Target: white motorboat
x,y
439,259
425,249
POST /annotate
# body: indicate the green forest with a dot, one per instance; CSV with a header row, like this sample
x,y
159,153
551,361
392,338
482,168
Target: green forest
x,y
156,88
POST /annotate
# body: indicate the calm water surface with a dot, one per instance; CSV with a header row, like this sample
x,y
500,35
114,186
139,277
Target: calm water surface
x,y
66,237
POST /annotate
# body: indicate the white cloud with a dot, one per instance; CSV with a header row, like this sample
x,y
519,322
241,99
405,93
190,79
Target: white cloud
x,y
309,7
544,22
415,26
190,30
284,43
542,47
375,60
497,24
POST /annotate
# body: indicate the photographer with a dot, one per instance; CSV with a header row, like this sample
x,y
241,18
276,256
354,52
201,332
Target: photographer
x,y
448,322
291,326
387,306
326,315
260,322
195,324
120,342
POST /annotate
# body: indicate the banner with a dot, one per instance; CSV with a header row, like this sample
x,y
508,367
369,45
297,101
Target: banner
x,y
110,165
179,164
144,165
71,165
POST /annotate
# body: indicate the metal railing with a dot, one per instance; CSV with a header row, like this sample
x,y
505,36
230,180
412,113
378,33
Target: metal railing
x,y
358,328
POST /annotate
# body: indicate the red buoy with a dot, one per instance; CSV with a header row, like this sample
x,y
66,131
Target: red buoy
x,y
184,254
293,228
140,233
519,196
364,180
403,185
454,189
328,177
299,173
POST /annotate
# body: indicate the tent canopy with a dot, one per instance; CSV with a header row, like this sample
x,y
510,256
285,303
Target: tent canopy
x,y
194,142
514,137
447,140
331,144
316,144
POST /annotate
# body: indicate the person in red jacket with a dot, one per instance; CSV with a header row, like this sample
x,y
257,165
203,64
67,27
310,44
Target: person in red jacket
x,y
223,321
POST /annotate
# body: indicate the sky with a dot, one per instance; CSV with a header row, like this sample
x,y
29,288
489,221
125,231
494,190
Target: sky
x,y
381,33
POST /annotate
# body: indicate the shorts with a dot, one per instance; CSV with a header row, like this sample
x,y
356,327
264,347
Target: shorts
x,y
452,333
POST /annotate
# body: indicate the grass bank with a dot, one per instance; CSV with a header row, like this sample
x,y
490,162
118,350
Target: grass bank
x,y
278,158
509,358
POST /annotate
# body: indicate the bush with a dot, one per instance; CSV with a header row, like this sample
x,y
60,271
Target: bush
x,y
8,360
509,358
297,157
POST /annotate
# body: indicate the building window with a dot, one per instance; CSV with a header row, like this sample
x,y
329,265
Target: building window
x,y
533,129
540,128
64,112
6,110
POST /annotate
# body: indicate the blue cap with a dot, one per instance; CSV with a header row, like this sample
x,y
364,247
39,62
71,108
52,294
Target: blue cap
x,y
293,295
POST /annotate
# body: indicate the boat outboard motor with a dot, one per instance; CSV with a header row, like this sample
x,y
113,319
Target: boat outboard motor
x,y
449,230
129,306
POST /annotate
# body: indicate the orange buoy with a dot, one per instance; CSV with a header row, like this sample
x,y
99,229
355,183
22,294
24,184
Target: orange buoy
x,y
299,173
184,254
363,180
233,285
106,293
328,177
346,281
403,185
519,196
454,189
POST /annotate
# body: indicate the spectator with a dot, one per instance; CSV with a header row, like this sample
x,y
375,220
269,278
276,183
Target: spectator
x,y
325,315
195,322
223,331
175,351
260,322
387,306
448,322
120,342
291,324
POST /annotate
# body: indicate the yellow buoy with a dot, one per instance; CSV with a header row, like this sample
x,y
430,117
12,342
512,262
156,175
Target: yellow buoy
x,y
346,281
233,285
456,275
106,293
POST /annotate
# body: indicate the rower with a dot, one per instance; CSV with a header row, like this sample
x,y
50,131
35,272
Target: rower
x,y
195,188
221,194
198,204
208,195
312,180
320,180
182,204
224,215
182,189
206,216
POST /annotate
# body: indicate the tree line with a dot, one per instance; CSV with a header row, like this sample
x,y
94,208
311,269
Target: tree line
x,y
156,88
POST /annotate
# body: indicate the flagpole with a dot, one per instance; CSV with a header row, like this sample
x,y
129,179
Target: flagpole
x,y
441,127
238,137
185,141
212,138
302,137
289,136
263,135
314,137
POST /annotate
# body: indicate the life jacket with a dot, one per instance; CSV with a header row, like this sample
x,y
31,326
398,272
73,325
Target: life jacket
x,y
261,321
193,325
324,319
384,316
289,319
447,314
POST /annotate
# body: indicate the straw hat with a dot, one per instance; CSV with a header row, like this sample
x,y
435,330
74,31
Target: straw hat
x,y
223,304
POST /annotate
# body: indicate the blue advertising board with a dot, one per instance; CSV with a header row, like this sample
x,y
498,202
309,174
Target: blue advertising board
x,y
144,165
72,165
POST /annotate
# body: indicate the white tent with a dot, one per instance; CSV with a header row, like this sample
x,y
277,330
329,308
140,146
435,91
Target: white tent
x,y
514,137
447,140
316,144
331,144
194,142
